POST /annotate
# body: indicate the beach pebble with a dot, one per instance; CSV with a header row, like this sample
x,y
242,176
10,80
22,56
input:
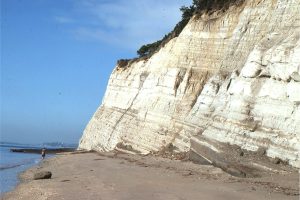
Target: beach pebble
x,y
42,175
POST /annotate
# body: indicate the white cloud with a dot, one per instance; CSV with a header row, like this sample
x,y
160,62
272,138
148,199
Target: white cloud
x,y
125,23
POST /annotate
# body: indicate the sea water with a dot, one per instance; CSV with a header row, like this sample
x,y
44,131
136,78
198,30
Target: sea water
x,y
11,164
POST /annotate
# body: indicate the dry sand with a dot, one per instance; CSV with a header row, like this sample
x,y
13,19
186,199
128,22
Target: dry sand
x,y
134,177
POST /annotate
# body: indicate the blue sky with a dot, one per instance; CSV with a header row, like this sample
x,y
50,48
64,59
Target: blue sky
x,y
57,55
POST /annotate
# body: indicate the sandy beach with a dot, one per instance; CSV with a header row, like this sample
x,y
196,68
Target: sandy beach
x,y
109,176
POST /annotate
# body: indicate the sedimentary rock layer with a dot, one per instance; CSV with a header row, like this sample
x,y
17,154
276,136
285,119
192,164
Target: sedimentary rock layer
x,y
229,77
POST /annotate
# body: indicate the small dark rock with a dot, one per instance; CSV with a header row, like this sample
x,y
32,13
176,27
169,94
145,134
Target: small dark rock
x,y
241,153
276,161
284,162
170,147
42,175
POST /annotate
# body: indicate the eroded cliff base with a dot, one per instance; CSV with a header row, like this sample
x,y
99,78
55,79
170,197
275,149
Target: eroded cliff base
x,y
230,158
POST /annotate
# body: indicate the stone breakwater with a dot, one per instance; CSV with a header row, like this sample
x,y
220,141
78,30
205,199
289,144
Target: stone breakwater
x,y
229,78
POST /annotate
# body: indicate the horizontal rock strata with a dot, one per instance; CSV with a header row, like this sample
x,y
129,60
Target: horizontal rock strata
x,y
229,78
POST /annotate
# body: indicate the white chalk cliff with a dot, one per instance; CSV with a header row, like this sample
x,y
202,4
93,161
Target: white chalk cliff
x,y
230,77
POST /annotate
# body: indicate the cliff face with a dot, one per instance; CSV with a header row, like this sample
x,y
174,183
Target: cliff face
x,y
230,77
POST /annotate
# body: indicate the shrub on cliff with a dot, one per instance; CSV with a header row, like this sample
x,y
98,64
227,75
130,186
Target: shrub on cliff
x,y
149,49
198,7
208,5
122,63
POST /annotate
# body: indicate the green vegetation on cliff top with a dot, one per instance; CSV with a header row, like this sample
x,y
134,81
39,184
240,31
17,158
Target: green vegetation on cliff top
x,y
198,7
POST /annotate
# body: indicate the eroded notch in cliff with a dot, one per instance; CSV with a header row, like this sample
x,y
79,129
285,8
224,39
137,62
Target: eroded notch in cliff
x,y
196,83
179,78
143,77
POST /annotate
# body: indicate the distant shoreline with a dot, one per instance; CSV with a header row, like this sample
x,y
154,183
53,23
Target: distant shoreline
x,y
38,150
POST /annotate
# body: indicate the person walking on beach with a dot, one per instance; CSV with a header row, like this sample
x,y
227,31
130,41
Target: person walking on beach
x,y
43,153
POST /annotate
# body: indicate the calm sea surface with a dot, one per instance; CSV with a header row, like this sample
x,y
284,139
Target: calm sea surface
x,y
12,164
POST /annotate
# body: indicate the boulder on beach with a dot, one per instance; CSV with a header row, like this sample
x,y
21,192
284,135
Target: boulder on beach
x,y
42,175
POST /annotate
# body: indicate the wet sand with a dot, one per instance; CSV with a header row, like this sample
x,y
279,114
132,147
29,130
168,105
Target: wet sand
x,y
112,176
